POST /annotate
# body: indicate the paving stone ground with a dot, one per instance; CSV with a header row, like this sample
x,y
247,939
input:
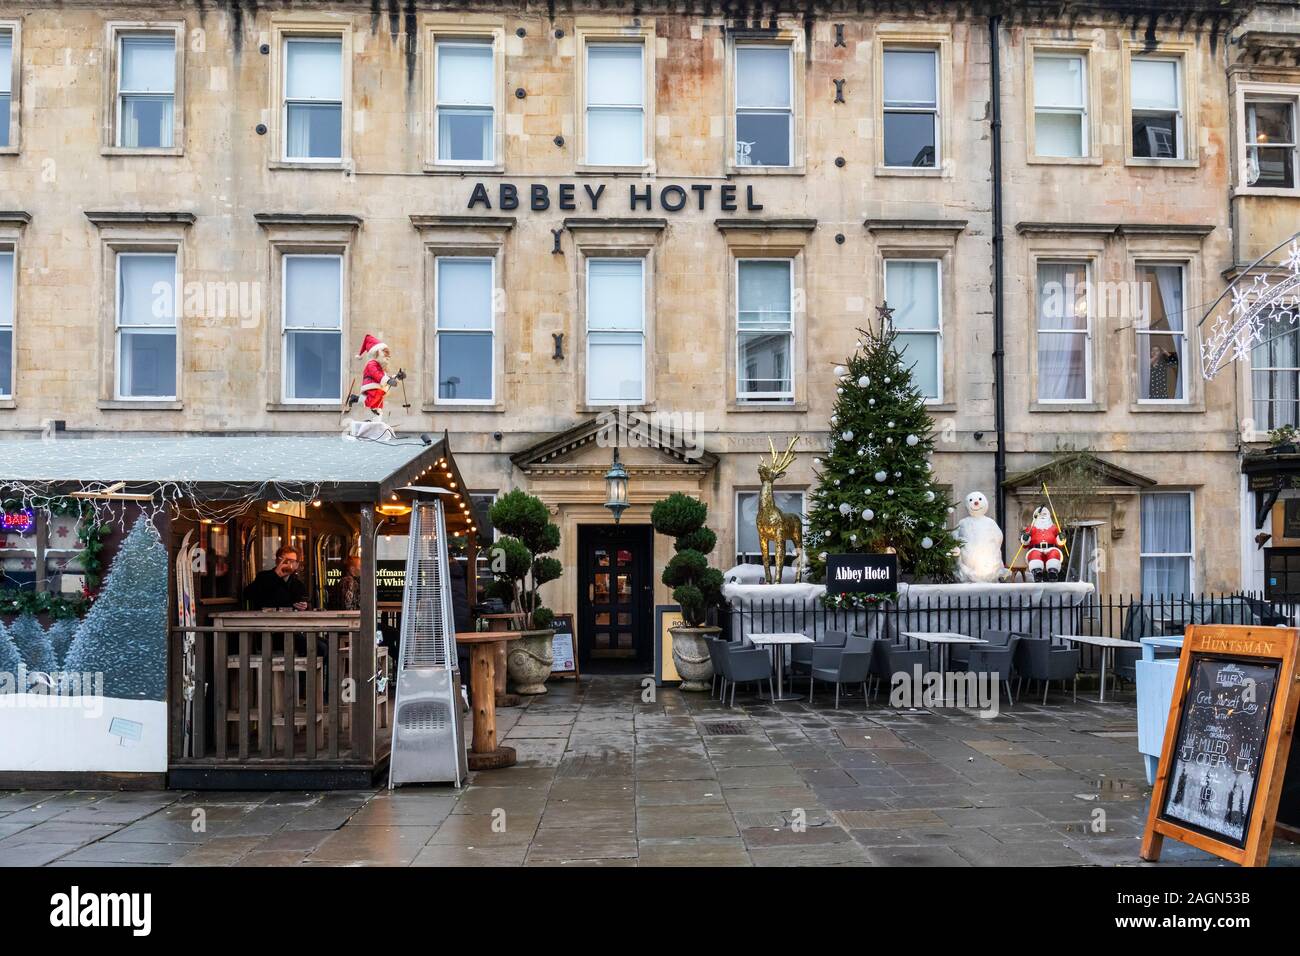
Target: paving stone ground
x,y
605,778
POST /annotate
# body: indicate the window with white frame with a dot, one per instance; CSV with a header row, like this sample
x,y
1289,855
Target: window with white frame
x,y
615,104
313,99
1156,98
911,101
1162,334
312,318
464,329
147,296
465,96
615,331
1167,544
1060,105
764,330
764,105
1271,143
6,84
1275,379
6,323
146,90
1064,332
748,550
912,291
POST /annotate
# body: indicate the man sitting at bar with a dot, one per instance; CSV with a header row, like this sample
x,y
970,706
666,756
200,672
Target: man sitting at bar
x,y
280,586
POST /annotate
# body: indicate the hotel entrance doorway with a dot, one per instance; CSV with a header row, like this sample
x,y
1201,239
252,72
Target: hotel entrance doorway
x,y
615,597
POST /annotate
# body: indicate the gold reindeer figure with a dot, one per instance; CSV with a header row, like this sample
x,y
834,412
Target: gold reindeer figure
x,y
775,527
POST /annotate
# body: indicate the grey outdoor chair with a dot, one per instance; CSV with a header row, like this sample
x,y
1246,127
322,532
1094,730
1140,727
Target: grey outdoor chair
x,y
715,660
997,660
850,664
888,659
744,666
1037,659
959,654
801,655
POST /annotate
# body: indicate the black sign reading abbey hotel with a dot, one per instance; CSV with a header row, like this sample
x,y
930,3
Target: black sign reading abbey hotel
x,y
565,196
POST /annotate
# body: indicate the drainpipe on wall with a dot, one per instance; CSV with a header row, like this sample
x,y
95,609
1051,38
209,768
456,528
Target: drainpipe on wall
x,y
999,398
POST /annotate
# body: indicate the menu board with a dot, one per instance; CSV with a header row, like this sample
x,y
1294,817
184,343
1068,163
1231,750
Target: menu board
x,y
564,647
1222,732
1222,784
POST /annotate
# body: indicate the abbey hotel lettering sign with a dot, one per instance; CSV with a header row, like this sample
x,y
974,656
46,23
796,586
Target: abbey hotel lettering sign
x,y
726,197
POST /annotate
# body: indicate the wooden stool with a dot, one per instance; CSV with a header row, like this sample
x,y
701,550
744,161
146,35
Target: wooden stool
x,y
1018,570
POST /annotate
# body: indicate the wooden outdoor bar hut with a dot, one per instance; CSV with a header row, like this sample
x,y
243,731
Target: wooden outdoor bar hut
x,y
280,697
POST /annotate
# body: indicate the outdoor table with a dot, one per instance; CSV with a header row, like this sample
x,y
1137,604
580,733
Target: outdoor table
x,y
943,640
1108,646
484,752
779,642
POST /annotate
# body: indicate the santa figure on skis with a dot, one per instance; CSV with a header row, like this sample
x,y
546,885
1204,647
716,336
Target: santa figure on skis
x,y
375,380
1044,541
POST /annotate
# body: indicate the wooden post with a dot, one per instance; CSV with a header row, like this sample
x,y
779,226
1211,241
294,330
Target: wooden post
x,y
482,689
363,647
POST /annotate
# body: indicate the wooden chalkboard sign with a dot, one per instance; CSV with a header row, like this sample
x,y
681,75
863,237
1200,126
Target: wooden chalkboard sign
x,y
1223,767
564,647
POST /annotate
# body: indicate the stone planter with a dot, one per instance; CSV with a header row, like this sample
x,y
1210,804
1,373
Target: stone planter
x,y
691,656
529,660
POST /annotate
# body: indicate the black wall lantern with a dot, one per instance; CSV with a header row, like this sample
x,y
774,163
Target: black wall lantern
x,y
616,488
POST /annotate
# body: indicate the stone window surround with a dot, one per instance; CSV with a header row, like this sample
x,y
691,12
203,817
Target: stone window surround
x,y
291,27
786,35
310,235
11,228
1089,249
769,239
1189,89
610,29
114,30
1185,252
1194,563
466,237
918,37
1091,54
14,28
1243,89
468,27
921,239
596,238
163,232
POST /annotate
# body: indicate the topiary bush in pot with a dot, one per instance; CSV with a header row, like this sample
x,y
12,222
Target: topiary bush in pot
x,y
521,564
697,588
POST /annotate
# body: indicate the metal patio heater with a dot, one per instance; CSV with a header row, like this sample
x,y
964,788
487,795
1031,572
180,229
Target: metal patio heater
x,y
428,742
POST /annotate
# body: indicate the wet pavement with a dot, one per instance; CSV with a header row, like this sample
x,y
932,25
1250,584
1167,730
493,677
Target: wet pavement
x,y
608,778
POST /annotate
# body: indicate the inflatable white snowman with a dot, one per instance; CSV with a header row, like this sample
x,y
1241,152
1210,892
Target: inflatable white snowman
x,y
980,538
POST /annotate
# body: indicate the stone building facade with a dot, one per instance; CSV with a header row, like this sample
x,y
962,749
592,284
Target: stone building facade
x,y
549,211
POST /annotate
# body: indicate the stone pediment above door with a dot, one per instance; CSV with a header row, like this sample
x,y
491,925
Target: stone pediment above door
x,y
1086,487
647,445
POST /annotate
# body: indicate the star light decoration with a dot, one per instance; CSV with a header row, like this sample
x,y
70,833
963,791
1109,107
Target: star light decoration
x,y
1261,309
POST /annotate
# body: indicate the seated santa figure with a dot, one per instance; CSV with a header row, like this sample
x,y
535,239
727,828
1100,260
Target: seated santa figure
x,y
1044,541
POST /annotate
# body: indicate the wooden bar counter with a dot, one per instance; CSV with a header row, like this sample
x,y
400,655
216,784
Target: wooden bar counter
x,y
484,752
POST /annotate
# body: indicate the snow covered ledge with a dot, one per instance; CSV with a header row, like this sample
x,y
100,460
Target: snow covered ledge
x,y
765,608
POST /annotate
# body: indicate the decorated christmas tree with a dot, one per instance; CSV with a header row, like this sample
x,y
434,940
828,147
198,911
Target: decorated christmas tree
x,y
124,636
33,644
876,490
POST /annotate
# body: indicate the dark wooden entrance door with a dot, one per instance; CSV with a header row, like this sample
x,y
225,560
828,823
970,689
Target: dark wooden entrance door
x,y
615,594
